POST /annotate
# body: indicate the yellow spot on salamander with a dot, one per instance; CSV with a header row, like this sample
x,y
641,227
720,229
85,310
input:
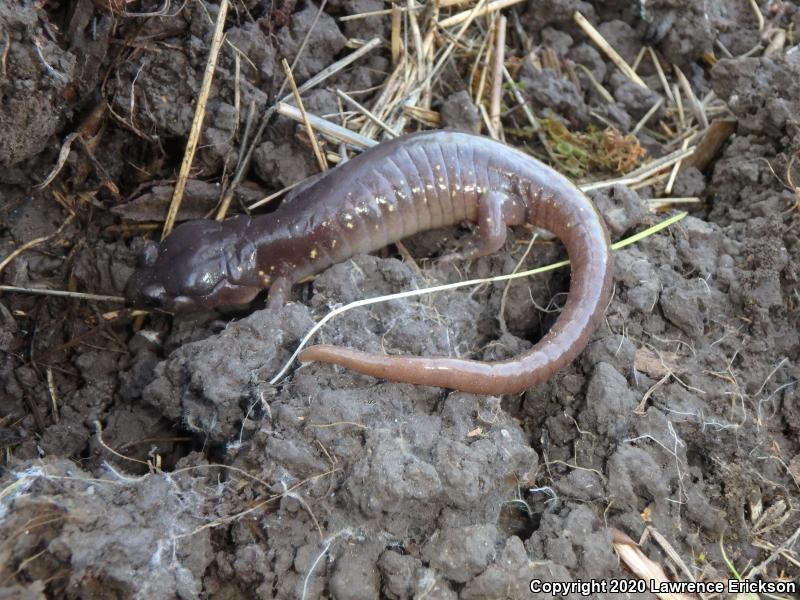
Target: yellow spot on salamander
x,y
333,243
313,254
349,225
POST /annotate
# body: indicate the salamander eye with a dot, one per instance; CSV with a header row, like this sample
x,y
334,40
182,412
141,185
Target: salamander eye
x,y
202,280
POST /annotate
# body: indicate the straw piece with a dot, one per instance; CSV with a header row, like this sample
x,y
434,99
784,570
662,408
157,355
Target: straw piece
x,y
397,43
367,113
33,243
497,74
597,85
537,128
661,76
697,108
468,15
642,173
759,16
376,13
197,123
61,293
323,164
612,54
315,80
643,121
675,168
331,130
676,94
336,67
271,197
638,60
416,36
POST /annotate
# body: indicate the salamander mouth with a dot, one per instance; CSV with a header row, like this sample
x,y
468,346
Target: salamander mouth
x,y
146,290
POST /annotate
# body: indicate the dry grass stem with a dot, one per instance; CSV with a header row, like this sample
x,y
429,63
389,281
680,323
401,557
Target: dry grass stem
x,y
397,42
33,243
497,74
676,93
659,203
367,113
61,293
599,87
642,173
612,54
469,15
327,72
271,197
53,391
63,154
757,13
695,105
323,164
197,122
661,76
416,36
638,60
643,121
487,121
327,128
377,13
671,552
675,168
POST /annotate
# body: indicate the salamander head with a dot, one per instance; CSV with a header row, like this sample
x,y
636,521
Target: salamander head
x,y
191,270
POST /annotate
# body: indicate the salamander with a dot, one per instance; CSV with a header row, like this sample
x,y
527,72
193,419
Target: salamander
x,y
412,183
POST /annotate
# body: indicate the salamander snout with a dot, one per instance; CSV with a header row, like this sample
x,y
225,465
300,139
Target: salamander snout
x,y
190,271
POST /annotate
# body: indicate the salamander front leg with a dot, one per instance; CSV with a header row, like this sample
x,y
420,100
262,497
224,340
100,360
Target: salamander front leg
x,y
279,292
496,210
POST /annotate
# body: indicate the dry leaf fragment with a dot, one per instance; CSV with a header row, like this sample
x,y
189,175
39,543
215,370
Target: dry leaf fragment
x,y
631,554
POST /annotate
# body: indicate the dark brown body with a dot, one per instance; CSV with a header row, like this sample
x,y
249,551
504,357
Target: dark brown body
x,y
410,184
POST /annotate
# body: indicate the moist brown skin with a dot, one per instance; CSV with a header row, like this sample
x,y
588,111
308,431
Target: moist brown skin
x,y
414,183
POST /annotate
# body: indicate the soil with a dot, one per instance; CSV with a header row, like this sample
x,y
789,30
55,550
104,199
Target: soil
x,y
149,456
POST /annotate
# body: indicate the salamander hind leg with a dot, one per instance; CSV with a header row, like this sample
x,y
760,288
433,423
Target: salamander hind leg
x,y
496,211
